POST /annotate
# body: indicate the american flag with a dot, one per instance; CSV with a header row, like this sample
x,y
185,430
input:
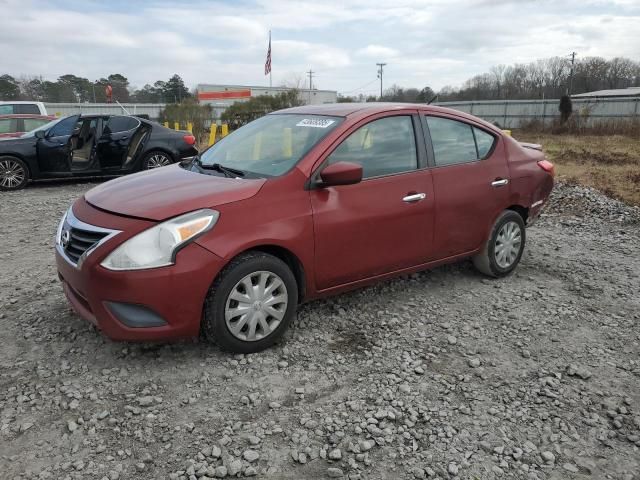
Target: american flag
x,y
267,64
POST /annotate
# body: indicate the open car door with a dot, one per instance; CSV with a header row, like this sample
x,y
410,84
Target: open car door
x,y
113,144
55,149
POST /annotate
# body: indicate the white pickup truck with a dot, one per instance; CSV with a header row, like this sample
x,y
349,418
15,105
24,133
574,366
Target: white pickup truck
x,y
22,107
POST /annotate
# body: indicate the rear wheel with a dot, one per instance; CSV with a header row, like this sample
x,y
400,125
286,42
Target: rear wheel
x,y
251,303
503,250
14,173
156,159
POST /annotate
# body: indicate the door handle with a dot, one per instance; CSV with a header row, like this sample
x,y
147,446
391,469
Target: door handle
x,y
414,197
500,182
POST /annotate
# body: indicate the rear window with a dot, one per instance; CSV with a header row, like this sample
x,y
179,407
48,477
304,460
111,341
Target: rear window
x,y
26,108
121,124
8,125
6,110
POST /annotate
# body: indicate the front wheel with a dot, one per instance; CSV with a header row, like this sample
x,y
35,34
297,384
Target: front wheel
x,y
14,173
156,160
251,303
503,250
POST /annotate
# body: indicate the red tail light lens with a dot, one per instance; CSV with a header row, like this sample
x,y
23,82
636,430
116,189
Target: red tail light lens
x,y
189,139
547,166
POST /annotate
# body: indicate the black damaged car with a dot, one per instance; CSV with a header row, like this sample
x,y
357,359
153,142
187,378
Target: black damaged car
x,y
90,145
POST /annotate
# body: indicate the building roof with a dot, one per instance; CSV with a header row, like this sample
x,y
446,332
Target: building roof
x,y
208,86
618,92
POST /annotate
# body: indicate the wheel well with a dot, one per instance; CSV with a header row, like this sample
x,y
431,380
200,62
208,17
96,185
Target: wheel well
x,y
161,150
292,262
522,211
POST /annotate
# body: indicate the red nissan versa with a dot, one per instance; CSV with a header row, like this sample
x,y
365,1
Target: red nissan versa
x,y
302,203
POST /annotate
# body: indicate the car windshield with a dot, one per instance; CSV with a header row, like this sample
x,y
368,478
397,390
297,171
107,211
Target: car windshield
x,y
271,145
46,126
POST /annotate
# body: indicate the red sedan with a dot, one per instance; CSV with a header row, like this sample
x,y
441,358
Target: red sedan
x,y
302,203
14,126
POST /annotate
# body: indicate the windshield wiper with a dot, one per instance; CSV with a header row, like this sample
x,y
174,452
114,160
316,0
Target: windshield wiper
x,y
228,171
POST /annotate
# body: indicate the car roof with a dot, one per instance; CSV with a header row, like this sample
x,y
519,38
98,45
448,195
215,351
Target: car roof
x,y
29,115
20,102
370,108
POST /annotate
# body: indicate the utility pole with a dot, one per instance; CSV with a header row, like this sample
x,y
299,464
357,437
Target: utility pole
x,y
310,73
573,59
380,71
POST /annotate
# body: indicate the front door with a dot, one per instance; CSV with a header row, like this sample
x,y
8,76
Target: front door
x,y
54,151
113,144
384,223
470,181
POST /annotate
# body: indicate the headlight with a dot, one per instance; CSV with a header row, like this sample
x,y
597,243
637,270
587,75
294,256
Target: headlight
x,y
60,225
157,246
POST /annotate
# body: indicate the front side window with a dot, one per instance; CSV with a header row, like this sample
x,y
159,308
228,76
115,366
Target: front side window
x,y
32,123
63,127
271,145
383,147
120,123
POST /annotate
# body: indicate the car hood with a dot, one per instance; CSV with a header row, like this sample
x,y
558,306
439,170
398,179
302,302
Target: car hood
x,y
169,191
11,141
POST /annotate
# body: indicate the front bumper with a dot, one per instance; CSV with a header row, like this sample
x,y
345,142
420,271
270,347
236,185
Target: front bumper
x,y
156,304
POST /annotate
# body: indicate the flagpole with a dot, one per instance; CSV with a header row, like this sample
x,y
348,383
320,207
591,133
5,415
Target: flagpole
x,y
270,66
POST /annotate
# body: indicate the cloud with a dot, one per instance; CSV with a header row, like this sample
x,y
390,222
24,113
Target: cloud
x,y
378,51
424,42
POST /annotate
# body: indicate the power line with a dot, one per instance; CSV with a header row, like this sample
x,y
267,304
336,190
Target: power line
x,y
380,71
360,88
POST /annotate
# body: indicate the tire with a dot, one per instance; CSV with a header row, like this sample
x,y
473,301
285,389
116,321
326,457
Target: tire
x,y
156,159
508,228
223,323
14,174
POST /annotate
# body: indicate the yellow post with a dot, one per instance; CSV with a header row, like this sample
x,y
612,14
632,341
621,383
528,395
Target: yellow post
x,y
166,124
212,134
190,127
224,130
287,147
176,126
508,132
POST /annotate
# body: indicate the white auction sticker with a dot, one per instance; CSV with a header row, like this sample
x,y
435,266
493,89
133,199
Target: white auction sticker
x,y
315,122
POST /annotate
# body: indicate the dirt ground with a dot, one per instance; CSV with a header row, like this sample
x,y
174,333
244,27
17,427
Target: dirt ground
x,y
444,374
609,163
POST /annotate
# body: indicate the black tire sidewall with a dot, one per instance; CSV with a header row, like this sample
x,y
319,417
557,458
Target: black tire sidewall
x,y
214,324
505,217
26,173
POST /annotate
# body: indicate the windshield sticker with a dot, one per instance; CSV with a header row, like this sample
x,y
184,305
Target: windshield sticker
x,y
315,122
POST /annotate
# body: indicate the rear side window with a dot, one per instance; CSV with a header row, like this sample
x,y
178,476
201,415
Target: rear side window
x,y
383,147
26,108
6,110
484,142
121,124
8,125
452,141
457,142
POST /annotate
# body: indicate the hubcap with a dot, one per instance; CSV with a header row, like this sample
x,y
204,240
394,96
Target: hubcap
x,y
256,306
11,174
158,160
508,244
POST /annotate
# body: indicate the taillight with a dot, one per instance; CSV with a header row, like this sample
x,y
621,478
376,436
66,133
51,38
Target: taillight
x,y
189,139
547,166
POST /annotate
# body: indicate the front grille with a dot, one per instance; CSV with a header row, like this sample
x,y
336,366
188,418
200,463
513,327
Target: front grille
x,y
77,239
80,241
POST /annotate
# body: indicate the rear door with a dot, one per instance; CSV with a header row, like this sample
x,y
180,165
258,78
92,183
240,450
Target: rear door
x,y
113,144
54,151
470,181
385,222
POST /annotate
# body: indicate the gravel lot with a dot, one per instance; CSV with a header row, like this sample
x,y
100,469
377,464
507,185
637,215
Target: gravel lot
x,y
444,374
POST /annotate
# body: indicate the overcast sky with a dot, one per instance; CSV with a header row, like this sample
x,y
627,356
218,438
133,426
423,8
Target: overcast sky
x,y
424,42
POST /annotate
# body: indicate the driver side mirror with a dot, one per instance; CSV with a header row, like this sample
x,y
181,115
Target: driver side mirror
x,y
341,173
40,134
